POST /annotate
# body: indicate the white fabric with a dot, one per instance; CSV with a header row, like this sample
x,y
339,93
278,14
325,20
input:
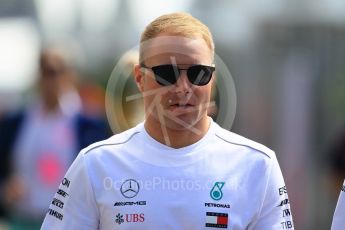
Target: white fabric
x,y
339,214
175,185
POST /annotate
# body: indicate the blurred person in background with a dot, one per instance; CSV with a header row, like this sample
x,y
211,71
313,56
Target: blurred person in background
x,y
38,144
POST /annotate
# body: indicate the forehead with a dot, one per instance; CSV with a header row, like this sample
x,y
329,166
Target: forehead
x,y
168,49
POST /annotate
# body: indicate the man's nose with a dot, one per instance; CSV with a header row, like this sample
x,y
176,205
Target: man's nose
x,y
182,84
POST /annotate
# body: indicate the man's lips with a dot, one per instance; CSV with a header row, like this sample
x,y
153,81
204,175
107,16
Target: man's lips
x,y
183,107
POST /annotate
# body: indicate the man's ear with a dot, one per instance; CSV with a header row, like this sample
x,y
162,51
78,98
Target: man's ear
x,y
139,77
214,77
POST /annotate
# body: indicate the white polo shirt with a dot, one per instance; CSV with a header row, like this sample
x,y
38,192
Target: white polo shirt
x,y
339,214
131,181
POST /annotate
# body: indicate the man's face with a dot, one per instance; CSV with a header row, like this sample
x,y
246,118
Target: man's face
x,y
54,77
51,71
181,105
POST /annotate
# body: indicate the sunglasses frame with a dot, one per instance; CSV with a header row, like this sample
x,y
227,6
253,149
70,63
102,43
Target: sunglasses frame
x,y
177,70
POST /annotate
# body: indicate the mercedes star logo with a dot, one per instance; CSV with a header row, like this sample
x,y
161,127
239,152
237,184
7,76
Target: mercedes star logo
x,y
130,188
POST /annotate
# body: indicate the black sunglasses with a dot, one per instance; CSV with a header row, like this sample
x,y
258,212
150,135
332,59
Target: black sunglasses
x,y
168,74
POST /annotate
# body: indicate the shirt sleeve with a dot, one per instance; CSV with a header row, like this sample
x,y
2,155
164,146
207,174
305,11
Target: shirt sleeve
x,y
275,212
74,205
339,214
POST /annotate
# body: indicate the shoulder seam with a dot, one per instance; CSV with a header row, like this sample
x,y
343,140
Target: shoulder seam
x,y
244,145
105,144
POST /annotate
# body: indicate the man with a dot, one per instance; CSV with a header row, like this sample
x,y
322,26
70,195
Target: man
x,y
178,169
339,214
39,143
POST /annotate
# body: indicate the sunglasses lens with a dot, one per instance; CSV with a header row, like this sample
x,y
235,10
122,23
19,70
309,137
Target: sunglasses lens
x,y
166,74
200,74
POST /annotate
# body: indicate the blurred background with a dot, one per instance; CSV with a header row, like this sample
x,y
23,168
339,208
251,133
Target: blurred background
x,y
286,58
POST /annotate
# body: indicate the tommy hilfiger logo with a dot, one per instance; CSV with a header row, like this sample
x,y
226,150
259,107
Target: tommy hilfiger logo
x,y
216,220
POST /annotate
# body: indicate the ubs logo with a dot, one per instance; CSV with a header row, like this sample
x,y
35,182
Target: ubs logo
x,y
129,188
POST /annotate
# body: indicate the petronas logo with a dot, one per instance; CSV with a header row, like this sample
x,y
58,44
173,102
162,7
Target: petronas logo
x,y
216,192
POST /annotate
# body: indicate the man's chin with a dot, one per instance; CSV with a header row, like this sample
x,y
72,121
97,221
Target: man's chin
x,y
179,121
182,122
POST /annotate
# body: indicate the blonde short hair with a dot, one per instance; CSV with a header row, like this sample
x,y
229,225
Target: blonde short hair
x,y
176,24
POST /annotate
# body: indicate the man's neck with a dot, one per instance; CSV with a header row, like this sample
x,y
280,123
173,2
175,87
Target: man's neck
x,y
177,138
